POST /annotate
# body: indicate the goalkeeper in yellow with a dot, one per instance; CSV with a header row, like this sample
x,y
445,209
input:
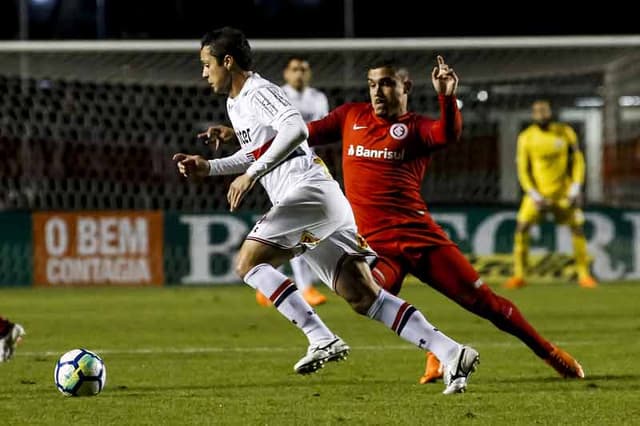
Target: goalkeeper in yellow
x,y
550,185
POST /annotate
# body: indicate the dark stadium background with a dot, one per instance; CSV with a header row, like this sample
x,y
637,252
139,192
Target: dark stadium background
x,y
90,200
117,19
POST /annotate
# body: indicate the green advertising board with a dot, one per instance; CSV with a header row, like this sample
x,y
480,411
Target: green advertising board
x,y
16,249
199,248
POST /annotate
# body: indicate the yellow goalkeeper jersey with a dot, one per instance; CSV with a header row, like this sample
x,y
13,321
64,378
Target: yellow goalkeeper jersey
x,y
543,159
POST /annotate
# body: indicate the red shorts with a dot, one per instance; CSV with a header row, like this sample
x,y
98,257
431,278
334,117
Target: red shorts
x,y
430,256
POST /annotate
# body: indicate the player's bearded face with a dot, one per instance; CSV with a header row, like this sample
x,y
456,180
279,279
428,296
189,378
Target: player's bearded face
x,y
541,114
386,92
216,74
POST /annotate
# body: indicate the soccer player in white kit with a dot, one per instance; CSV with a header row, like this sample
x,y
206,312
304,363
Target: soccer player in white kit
x,y
313,105
310,215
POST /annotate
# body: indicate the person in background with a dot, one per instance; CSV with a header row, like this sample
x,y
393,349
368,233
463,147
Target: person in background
x,y
313,105
551,172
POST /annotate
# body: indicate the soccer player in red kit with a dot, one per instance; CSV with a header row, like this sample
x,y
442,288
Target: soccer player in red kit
x,y
385,153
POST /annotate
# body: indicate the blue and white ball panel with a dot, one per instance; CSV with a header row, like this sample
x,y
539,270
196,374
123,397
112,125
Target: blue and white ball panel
x,y
80,373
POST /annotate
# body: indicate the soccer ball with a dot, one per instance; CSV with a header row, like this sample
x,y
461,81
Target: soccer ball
x,y
80,373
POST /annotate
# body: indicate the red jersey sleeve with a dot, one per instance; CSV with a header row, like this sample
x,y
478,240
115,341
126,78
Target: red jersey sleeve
x,y
438,133
328,129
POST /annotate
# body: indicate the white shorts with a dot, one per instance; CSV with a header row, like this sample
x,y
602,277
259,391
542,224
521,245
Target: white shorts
x,y
316,221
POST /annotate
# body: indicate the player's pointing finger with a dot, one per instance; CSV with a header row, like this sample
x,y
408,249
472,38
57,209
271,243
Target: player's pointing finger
x,y
179,157
434,73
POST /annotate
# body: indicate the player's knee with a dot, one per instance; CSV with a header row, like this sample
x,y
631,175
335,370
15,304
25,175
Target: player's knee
x,y
243,264
362,302
357,287
242,267
366,294
489,305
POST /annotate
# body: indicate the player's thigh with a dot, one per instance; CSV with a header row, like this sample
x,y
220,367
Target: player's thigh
x,y
328,256
253,253
303,218
300,263
528,212
389,273
447,270
354,283
569,215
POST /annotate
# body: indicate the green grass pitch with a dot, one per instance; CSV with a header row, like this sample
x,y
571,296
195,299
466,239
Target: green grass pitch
x,y
212,356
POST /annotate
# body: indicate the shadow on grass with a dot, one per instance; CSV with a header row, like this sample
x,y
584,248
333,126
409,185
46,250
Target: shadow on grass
x,y
316,387
296,386
558,379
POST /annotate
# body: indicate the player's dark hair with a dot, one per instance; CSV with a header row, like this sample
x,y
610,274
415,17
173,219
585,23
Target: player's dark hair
x,y
228,41
394,66
389,63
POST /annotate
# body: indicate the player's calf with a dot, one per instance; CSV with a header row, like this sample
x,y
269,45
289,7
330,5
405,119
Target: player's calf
x,y
401,317
356,286
286,298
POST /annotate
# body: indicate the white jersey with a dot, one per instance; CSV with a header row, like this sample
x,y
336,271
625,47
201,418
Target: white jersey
x,y
312,103
256,114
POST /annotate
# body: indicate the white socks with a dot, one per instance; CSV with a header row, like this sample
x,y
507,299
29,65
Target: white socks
x,y
285,296
409,323
302,273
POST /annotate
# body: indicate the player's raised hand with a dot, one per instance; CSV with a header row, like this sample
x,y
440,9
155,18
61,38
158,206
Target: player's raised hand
x,y
191,165
444,79
238,189
218,134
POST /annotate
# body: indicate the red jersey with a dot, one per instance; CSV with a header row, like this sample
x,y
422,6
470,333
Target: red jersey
x,y
384,161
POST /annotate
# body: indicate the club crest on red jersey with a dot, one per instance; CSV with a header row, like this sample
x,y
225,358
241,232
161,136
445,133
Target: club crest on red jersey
x,y
398,131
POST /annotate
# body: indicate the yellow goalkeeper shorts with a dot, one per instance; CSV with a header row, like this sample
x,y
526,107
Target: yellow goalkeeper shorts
x,y
563,212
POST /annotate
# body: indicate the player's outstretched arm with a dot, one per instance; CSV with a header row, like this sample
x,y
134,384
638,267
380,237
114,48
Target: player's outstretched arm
x,y
191,166
448,128
197,166
328,129
524,176
217,135
292,131
577,170
444,79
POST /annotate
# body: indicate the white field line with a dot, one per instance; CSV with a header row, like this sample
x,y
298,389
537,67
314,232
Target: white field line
x,y
255,349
